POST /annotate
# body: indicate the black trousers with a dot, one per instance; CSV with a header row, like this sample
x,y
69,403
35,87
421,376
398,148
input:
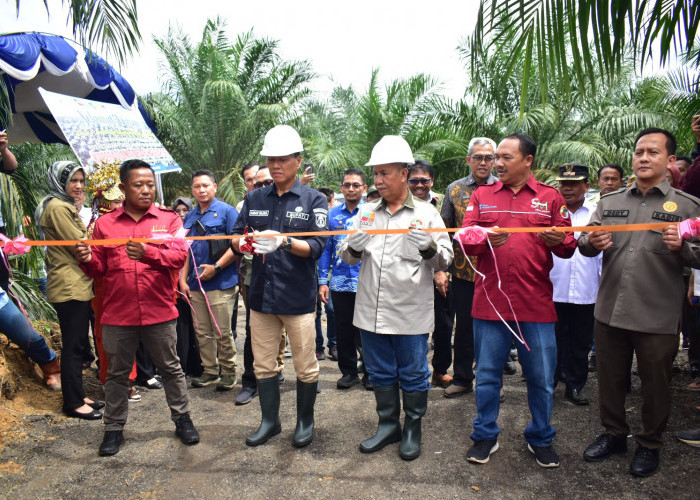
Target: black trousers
x,y
442,335
248,379
187,347
574,332
74,320
347,334
463,296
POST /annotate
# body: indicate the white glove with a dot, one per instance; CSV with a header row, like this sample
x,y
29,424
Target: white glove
x,y
419,239
266,244
358,240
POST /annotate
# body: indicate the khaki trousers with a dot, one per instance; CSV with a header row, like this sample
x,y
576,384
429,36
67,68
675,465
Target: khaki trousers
x,y
215,350
655,352
267,332
120,344
248,346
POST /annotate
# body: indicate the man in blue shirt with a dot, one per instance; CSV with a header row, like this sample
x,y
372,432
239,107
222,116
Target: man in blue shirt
x,y
283,287
339,279
215,264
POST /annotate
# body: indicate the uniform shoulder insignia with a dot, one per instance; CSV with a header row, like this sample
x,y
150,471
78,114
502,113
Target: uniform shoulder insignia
x,y
619,191
688,196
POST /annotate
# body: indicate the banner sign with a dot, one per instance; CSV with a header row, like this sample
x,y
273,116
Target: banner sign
x,y
97,132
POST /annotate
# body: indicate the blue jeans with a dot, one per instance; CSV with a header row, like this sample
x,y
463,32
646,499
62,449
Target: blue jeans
x,y
397,358
330,323
16,327
492,342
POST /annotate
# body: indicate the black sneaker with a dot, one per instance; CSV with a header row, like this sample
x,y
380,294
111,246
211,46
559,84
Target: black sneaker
x,y
347,381
184,428
321,355
545,455
481,450
333,353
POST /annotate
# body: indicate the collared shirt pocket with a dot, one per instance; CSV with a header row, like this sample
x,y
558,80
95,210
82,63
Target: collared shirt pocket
x,y
654,242
543,220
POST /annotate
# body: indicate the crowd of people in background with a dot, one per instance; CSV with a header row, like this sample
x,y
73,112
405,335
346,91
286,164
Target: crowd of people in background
x,y
394,283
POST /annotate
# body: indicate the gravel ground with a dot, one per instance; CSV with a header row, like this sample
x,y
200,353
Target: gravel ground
x,y
52,456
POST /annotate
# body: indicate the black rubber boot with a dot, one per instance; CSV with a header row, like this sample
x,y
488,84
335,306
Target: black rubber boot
x,y
269,393
414,406
306,398
389,427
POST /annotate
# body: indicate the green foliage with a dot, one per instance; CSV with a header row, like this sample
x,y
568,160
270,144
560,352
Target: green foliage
x,y
219,98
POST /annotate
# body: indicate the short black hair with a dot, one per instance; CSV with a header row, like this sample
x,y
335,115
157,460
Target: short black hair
x,y
527,145
354,171
129,165
671,143
685,159
614,166
203,171
422,166
248,166
327,192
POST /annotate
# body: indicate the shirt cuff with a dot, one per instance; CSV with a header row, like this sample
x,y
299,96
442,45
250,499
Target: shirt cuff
x,y
429,252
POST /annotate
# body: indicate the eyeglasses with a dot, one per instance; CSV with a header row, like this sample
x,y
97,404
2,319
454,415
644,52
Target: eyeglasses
x,y
266,182
424,181
480,158
354,185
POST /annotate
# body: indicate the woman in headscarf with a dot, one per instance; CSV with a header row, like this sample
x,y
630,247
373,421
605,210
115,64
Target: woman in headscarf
x,y
68,289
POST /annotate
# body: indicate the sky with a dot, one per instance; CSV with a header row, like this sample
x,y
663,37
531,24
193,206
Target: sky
x,y
343,40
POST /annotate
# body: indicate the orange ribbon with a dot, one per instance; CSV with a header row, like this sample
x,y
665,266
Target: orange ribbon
x,y
123,241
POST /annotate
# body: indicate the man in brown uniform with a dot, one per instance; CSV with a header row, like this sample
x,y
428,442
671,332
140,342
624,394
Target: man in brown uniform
x,y
639,302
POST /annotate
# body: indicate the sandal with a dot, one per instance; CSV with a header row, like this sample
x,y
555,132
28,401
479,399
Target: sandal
x,y
134,394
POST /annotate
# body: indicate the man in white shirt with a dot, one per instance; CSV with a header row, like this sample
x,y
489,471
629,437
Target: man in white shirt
x,y
575,283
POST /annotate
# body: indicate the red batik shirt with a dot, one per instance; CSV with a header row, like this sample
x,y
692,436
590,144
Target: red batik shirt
x,y
137,292
524,261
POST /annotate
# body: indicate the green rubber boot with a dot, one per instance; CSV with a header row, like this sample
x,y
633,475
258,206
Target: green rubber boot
x,y
389,427
414,406
306,398
270,425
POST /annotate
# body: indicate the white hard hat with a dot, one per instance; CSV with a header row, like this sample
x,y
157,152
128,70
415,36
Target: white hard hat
x,y
390,149
281,140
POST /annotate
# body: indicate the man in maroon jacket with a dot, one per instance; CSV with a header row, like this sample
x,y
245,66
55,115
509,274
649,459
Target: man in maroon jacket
x,y
522,263
139,301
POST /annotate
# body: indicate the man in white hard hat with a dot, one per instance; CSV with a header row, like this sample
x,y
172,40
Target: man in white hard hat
x,y
282,292
394,291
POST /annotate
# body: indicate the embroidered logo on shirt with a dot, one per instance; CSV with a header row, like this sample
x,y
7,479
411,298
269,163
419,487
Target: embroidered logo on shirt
x,y
159,229
483,206
616,213
259,213
538,205
416,224
470,208
297,215
666,217
321,220
670,206
564,212
367,219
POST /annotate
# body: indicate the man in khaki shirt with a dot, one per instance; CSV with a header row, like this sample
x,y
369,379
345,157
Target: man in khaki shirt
x,y
639,302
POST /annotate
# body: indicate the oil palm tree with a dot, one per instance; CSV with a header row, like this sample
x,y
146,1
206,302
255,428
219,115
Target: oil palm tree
x,y
571,41
218,100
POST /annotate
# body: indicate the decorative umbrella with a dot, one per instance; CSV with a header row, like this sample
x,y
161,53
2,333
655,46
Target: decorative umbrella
x,y
29,61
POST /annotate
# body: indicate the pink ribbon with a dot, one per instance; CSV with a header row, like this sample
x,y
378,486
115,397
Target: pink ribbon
x,y
206,299
178,241
15,246
689,228
477,235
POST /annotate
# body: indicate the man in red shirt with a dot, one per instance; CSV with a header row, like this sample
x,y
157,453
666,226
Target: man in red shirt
x,y
523,261
138,305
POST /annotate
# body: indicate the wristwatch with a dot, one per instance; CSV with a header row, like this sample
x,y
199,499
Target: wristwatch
x,y
287,245
217,268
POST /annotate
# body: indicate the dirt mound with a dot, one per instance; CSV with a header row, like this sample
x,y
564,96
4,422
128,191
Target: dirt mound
x,y
22,390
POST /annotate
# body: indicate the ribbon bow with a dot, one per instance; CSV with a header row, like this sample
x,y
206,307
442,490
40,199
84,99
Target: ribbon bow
x,y
689,228
177,242
15,246
472,235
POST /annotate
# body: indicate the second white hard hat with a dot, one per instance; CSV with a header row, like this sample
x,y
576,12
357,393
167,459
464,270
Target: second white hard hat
x,y
390,149
281,140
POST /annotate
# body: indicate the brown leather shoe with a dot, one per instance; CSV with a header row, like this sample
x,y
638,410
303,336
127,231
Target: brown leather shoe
x,y
454,390
441,380
52,374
